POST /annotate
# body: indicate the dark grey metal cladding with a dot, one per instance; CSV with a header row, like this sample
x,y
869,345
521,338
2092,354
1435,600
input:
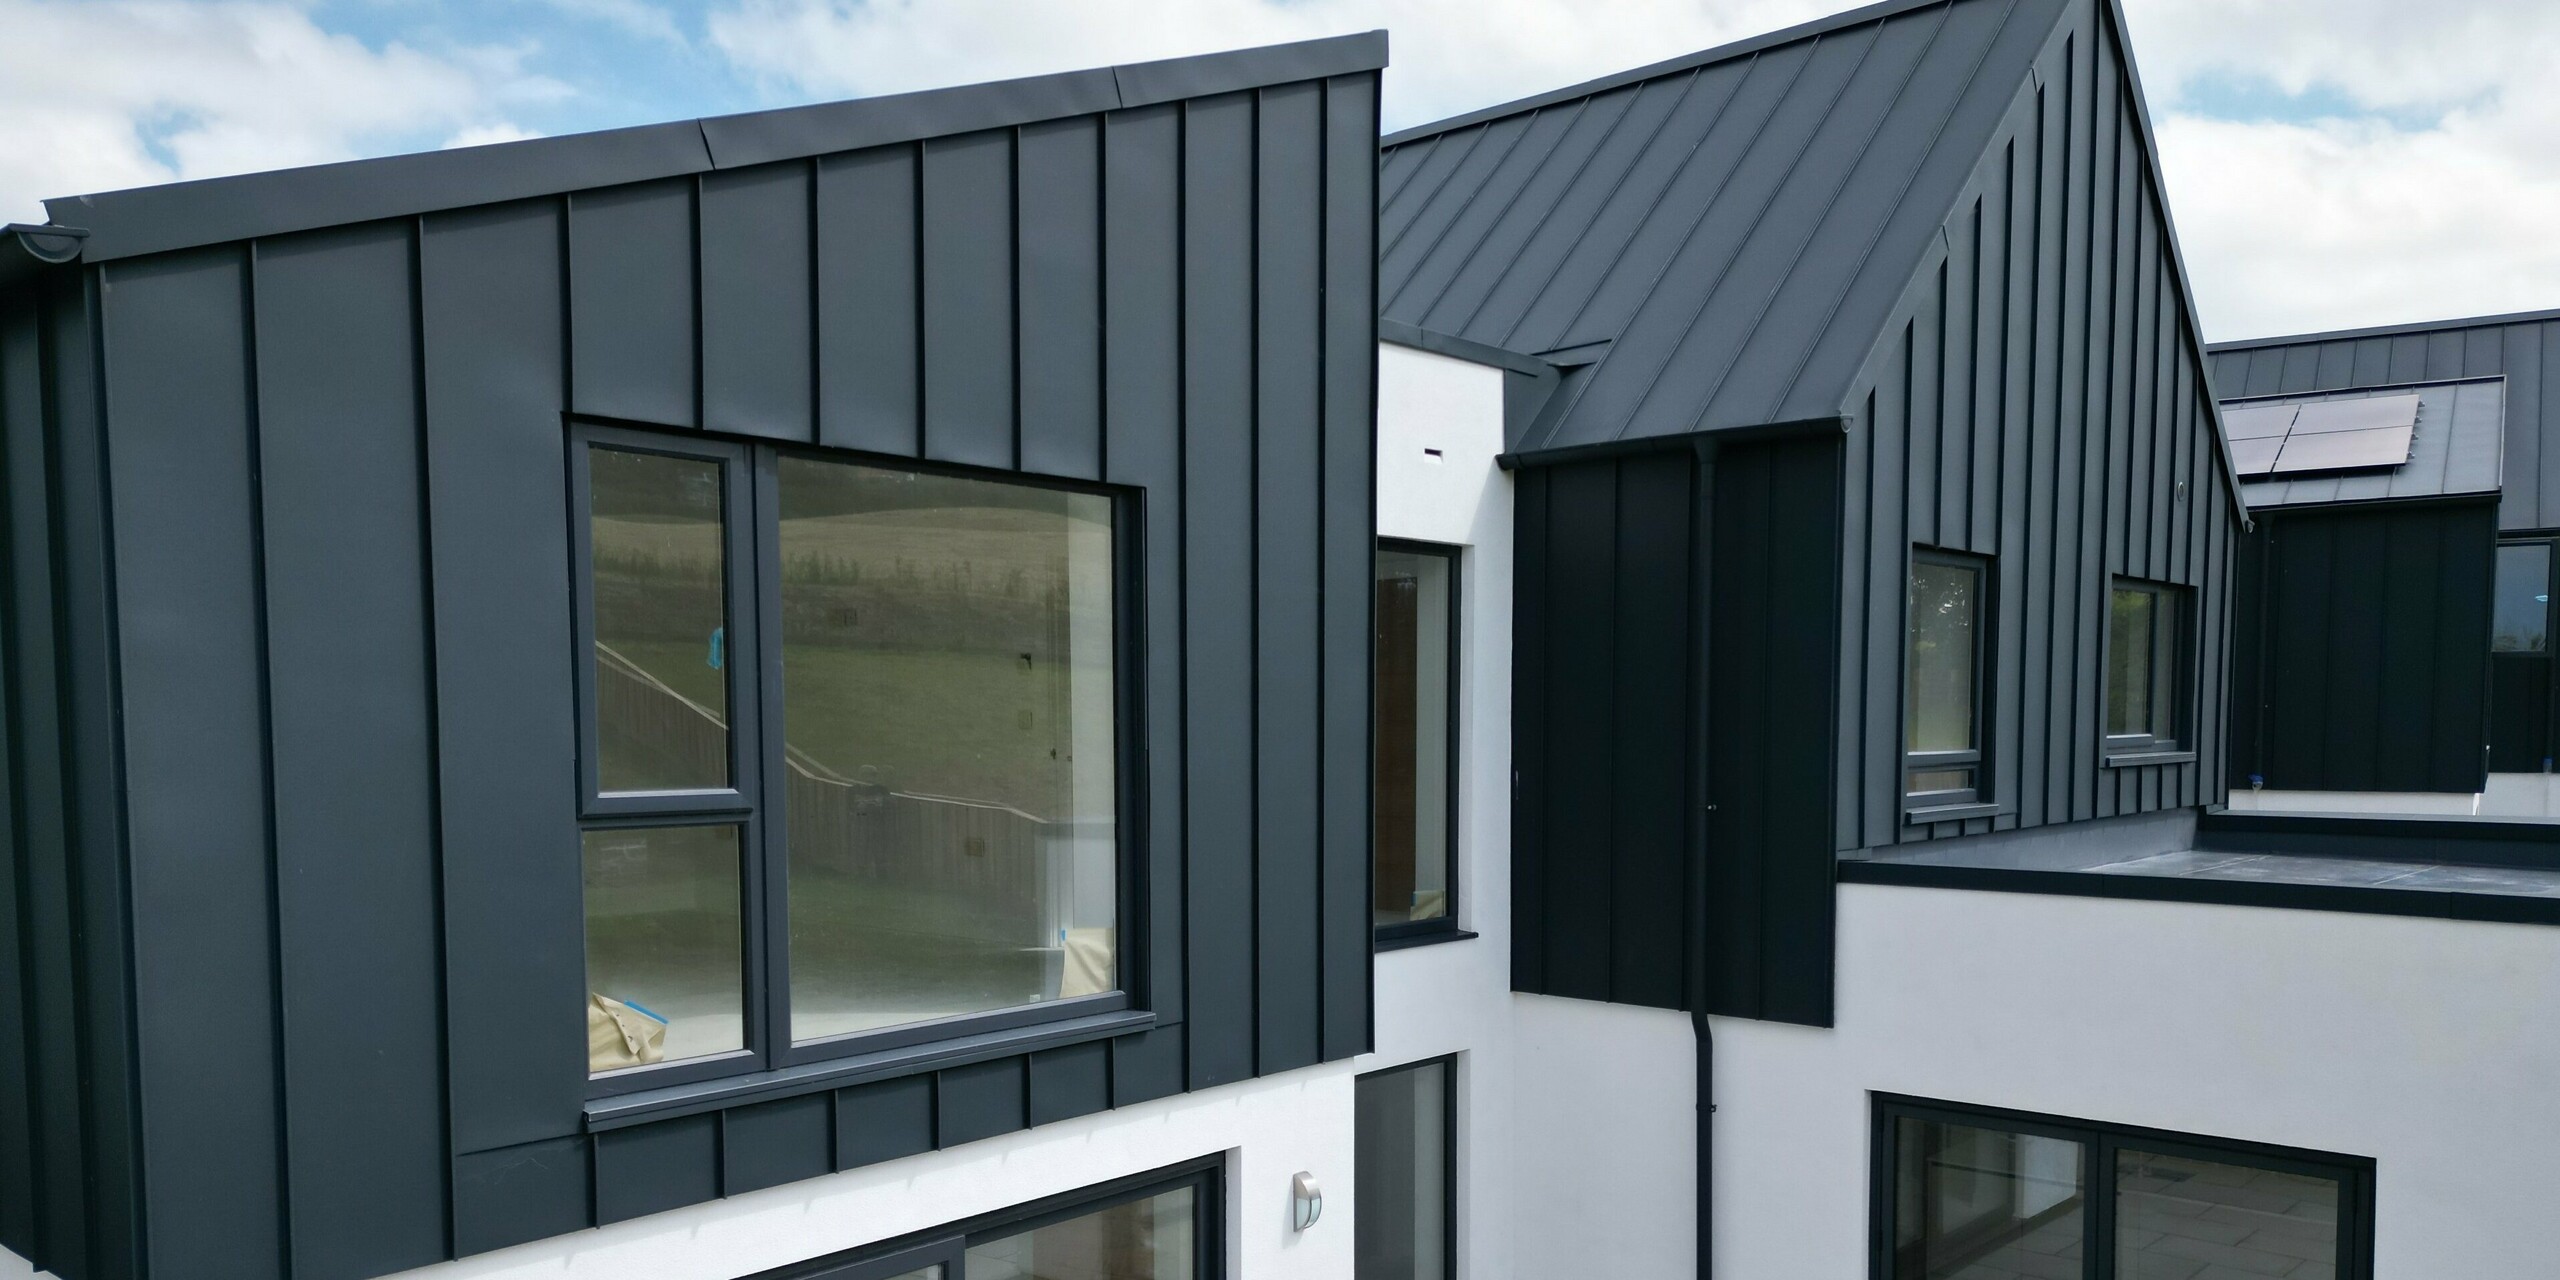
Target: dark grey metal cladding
x,y
1742,223
2361,646
2039,401
1671,838
66,1098
346,664
2517,348
2458,448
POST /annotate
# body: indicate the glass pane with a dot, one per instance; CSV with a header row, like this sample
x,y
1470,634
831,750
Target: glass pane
x,y
662,700
2129,624
663,945
950,774
1152,1239
920,1273
1401,1167
1984,1204
1928,780
1414,679
1944,600
2168,637
2172,1211
2523,616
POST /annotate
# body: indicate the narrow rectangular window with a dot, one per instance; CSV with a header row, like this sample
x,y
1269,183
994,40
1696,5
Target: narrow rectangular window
x,y
1971,1191
2147,665
1416,675
2521,621
851,754
1405,1163
1943,761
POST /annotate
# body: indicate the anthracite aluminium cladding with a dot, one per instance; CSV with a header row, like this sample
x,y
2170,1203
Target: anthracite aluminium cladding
x,y
2361,610
2518,348
1933,229
335,636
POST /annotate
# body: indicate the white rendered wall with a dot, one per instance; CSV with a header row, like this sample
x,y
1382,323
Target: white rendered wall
x,y
2429,1045
2506,795
1577,1121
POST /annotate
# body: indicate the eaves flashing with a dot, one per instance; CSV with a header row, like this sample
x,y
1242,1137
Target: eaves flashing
x,y
2385,331
181,215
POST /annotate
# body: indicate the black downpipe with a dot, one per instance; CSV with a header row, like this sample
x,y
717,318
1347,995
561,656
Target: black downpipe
x,y
1702,615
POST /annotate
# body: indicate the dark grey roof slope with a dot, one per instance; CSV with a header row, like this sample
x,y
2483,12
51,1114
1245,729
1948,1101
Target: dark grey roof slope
x,y
179,215
2456,451
1738,225
2519,347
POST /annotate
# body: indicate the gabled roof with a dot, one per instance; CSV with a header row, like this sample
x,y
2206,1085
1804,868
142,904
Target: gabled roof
x,y
179,215
1737,224
2456,451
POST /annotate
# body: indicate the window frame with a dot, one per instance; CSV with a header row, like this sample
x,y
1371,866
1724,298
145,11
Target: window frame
x,y
2100,1143
1982,797
1445,928
948,1246
755,803
1449,1160
2172,643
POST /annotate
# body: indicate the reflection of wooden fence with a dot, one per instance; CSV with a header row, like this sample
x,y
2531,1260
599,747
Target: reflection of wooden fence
x,y
692,740
988,863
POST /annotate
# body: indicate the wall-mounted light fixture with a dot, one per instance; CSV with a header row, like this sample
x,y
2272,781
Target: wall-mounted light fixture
x,y
1306,1201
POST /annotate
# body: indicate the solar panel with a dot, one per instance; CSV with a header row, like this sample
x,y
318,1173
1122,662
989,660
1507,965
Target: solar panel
x,y
2259,422
2255,457
2372,412
2344,450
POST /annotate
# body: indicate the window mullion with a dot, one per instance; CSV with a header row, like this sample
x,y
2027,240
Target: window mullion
x,y
2099,1222
773,827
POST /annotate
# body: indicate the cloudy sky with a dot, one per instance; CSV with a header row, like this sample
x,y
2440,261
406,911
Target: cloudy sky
x,y
2331,163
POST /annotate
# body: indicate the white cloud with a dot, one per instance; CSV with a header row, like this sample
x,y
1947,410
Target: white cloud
x,y
481,135
2287,225
98,96
637,17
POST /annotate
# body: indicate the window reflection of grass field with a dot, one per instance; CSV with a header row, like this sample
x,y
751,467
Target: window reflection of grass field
x,y
947,724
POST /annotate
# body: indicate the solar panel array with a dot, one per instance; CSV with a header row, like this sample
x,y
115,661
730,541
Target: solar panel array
x,y
2322,435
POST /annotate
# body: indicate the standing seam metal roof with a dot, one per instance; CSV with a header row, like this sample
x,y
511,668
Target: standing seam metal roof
x,y
1737,224
2457,450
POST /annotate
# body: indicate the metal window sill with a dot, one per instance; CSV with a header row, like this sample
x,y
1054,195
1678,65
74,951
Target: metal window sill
x,y
812,1077
1952,813
1407,941
2135,759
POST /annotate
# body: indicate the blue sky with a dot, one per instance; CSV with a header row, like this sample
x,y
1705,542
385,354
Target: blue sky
x,y
2330,162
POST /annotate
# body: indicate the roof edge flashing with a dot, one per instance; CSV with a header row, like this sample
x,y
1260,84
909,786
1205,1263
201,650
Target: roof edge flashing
x,y
1398,333
181,215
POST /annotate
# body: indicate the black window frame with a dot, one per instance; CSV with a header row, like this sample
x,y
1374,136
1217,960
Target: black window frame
x,y
2100,1142
948,1246
1982,797
1449,1152
755,800
2173,660
1446,927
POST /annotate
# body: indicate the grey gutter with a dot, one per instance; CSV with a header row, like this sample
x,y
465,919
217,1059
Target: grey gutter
x,y
181,215
26,250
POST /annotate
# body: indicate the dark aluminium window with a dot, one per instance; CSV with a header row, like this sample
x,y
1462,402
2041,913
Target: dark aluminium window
x,y
852,758
2147,666
1405,1162
1967,1193
1416,731
1944,764
1156,1226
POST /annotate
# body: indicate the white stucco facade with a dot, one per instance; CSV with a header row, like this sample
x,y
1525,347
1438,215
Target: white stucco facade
x,y
2422,1044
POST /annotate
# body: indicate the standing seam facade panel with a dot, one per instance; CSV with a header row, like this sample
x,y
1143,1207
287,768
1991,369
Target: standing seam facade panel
x,y
2110,408
357,432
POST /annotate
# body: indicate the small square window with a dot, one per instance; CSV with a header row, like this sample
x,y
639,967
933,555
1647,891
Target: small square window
x,y
2147,666
1943,762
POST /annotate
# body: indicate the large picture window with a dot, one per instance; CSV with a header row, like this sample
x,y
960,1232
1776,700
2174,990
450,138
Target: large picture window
x,y
1416,735
852,754
1943,764
2146,667
1966,1193
1157,1226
